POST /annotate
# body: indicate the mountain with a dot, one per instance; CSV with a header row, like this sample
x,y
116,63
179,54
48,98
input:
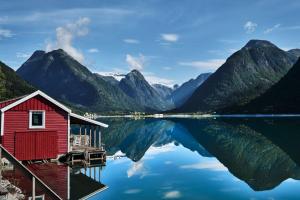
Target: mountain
x,y
283,97
135,86
11,85
237,145
244,76
109,79
175,87
163,90
182,93
295,52
135,137
62,77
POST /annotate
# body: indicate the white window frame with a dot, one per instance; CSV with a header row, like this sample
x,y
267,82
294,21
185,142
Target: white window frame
x,y
30,119
40,196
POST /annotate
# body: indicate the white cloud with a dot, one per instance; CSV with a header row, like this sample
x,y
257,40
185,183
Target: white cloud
x,y
170,37
138,63
167,68
93,50
137,169
152,79
5,33
131,41
206,65
269,30
209,165
175,194
162,149
22,55
168,162
250,27
132,191
117,75
135,62
65,36
287,48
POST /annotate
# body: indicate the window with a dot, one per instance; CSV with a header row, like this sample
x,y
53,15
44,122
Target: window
x,y
37,119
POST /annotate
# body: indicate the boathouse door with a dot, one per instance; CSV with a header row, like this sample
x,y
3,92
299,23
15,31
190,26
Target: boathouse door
x,y
35,145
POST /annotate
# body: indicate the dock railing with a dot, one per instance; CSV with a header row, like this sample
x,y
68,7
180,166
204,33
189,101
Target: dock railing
x,y
21,177
87,137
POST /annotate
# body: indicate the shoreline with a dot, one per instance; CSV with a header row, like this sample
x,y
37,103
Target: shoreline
x,y
157,116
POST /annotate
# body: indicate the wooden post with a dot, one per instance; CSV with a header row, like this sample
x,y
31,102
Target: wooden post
x,y
100,145
1,155
94,173
99,174
84,136
95,137
80,141
90,136
33,187
1,164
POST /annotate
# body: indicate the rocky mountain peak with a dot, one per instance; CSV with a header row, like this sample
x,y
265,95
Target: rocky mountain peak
x,y
259,43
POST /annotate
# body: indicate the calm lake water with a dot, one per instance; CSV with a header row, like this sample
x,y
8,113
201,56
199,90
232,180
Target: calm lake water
x,y
223,158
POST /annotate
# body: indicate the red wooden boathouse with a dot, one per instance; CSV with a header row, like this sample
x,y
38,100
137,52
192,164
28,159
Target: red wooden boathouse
x,y
37,127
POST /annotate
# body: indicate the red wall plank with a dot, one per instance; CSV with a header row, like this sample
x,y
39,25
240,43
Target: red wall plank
x,y
46,145
5,103
35,103
25,146
55,176
35,145
17,120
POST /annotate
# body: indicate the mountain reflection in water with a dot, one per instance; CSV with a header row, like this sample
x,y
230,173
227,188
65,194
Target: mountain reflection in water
x,y
262,152
135,137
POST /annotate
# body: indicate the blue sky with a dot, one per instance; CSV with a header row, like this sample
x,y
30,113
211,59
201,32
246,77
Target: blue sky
x,y
170,41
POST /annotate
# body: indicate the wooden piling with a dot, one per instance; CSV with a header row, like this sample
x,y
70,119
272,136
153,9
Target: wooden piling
x,y
94,173
84,136
80,135
95,137
90,137
100,139
33,187
99,175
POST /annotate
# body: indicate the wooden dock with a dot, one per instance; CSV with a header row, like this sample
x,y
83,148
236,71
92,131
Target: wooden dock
x,y
88,155
84,153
